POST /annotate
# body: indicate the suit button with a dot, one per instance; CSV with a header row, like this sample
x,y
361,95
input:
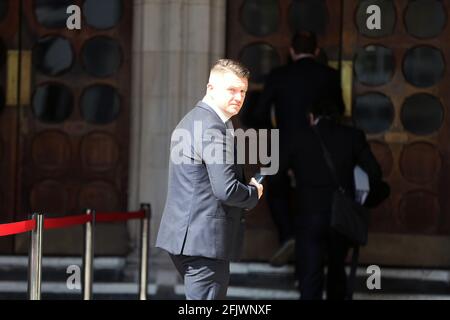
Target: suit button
x,y
243,220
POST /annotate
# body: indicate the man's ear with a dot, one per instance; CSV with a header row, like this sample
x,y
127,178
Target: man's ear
x,y
209,87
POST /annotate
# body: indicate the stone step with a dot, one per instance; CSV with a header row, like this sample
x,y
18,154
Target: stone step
x,y
15,268
248,281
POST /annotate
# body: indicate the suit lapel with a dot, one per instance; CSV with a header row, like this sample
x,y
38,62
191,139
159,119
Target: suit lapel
x,y
238,168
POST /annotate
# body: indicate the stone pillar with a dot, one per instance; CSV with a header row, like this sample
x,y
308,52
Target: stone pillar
x,y
174,44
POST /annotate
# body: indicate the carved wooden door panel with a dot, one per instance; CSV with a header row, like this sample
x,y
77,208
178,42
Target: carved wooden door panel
x,y
73,127
9,66
401,100
395,83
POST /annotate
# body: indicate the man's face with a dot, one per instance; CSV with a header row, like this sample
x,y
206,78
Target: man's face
x,y
228,92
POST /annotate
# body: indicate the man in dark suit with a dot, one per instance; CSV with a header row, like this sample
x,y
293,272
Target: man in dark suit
x,y
290,90
316,241
203,221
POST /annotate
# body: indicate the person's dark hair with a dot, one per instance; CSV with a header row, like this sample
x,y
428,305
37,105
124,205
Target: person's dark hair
x,y
304,42
325,107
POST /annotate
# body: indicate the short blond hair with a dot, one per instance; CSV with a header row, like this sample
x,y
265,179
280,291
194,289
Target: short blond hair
x,y
228,65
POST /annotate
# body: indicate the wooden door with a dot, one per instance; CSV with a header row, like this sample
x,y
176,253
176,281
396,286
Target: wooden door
x,y
9,66
259,35
73,122
395,85
401,100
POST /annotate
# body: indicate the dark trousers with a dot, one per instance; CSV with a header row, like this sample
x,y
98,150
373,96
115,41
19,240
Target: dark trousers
x,y
318,245
278,199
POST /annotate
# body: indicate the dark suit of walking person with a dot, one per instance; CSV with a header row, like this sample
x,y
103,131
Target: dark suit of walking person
x,y
290,89
203,222
317,244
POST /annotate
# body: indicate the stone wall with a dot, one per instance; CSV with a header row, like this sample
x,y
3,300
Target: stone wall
x,y
175,42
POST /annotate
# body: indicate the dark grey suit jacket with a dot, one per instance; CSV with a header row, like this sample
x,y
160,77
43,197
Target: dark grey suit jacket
x,y
203,215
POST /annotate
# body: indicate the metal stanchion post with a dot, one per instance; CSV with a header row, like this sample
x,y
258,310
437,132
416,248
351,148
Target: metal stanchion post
x,y
143,276
35,259
88,256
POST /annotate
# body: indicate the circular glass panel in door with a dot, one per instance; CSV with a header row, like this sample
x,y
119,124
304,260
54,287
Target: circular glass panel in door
x,y
422,114
102,56
100,104
103,14
309,15
423,66
373,112
52,13
53,55
374,65
52,103
260,59
425,18
260,17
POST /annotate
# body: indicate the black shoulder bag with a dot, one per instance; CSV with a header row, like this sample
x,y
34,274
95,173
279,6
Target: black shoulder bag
x,y
348,217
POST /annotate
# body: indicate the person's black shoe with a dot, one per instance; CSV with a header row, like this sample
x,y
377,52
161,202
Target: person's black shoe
x,y
283,255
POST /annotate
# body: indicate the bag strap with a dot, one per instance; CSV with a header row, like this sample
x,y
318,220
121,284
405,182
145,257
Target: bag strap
x,y
328,159
352,275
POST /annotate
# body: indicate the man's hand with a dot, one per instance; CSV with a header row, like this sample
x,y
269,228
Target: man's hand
x,y
258,186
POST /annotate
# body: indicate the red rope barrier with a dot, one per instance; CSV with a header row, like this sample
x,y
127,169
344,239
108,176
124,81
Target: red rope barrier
x,y
53,223
119,216
8,229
